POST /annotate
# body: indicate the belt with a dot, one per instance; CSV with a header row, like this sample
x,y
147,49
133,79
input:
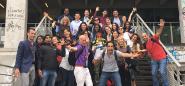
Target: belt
x,y
81,66
33,62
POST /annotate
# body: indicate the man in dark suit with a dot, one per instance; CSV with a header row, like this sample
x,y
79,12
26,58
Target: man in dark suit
x,y
25,59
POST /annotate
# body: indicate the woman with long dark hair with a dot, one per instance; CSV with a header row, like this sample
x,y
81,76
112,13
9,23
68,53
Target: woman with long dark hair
x,y
38,43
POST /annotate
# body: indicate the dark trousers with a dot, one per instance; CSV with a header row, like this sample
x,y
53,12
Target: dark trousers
x,y
67,77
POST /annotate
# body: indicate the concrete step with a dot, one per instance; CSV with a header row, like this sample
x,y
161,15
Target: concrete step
x,y
143,78
143,73
144,84
144,68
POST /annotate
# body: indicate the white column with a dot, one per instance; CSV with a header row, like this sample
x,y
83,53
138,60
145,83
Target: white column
x,y
16,22
181,4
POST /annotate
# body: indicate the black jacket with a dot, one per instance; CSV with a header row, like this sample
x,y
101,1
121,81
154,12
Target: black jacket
x,y
48,57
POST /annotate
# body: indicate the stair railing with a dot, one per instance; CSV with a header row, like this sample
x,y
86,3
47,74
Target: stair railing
x,y
44,27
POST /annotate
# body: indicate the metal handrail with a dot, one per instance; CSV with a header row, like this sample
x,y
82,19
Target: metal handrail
x,y
176,73
170,55
40,23
165,22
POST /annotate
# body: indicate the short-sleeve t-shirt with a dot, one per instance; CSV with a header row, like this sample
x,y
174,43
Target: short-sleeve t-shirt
x,y
110,63
155,49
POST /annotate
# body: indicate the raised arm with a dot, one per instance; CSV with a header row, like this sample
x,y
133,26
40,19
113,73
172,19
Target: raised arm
x,y
88,23
161,27
51,19
97,9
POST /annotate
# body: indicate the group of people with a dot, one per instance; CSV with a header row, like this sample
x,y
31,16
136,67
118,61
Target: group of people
x,y
90,51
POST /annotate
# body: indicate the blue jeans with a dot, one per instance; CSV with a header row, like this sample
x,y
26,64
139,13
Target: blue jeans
x,y
115,76
162,67
48,78
67,77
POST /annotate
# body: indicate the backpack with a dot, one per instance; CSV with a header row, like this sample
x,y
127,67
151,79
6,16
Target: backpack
x,y
103,55
115,54
73,56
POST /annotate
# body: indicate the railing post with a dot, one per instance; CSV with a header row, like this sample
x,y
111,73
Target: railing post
x,y
153,26
45,21
171,32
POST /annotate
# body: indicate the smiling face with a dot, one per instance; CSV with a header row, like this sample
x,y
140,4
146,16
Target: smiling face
x,y
145,36
31,34
77,16
39,39
105,13
47,39
65,21
66,11
96,21
134,38
110,47
121,42
54,40
83,26
82,39
66,33
108,21
120,30
86,13
115,13
124,19
114,26
115,34
107,30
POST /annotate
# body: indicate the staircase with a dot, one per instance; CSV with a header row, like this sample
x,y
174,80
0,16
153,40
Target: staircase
x,y
144,76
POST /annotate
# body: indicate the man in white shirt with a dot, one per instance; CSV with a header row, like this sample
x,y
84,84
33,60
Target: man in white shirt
x,y
75,24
